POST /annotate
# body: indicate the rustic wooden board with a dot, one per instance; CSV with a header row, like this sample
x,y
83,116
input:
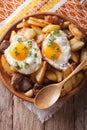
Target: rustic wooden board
x,y
5,109
15,116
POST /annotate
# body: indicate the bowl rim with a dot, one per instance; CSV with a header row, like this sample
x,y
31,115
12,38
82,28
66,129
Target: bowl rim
x,y
21,95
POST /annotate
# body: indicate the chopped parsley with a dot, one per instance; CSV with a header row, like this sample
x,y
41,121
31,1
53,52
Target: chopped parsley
x,y
51,40
24,48
29,44
26,65
56,49
19,39
29,53
56,32
52,56
16,51
35,55
35,49
17,66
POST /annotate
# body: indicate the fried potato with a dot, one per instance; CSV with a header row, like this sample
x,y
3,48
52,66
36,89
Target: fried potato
x,y
65,24
37,22
28,33
77,79
51,76
41,73
76,44
29,93
38,30
76,32
23,24
13,33
75,57
83,56
6,66
68,85
59,75
50,27
39,39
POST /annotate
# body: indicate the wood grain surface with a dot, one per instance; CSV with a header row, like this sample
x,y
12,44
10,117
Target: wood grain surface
x,y
14,115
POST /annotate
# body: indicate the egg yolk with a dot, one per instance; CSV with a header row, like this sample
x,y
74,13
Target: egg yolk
x,y
19,51
52,52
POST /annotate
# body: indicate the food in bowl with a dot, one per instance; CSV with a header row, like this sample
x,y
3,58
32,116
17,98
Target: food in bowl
x,y
42,51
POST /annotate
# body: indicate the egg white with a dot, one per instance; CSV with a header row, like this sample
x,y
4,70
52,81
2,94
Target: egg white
x,y
34,62
60,39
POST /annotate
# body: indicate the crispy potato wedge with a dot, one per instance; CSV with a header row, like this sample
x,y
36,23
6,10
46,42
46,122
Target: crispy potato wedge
x,y
51,76
28,33
29,93
39,39
75,57
38,30
13,33
41,73
76,44
23,24
76,32
59,75
68,85
83,56
65,24
6,66
37,22
50,27
77,79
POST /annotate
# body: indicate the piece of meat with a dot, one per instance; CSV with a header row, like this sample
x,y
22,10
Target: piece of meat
x,y
26,85
53,19
4,45
20,82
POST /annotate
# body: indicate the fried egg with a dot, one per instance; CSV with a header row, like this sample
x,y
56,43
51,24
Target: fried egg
x,y
24,56
56,49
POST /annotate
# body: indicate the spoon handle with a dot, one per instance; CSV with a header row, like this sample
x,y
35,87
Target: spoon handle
x,y
78,68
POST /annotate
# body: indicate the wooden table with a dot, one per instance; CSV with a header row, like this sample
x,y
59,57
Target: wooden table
x,y
14,115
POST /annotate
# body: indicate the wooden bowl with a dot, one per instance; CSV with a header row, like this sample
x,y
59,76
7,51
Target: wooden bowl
x,y
6,79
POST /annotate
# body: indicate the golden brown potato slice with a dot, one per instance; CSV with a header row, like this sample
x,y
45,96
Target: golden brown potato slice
x,y
75,57
13,33
77,79
66,24
83,56
68,85
41,73
50,27
6,66
28,33
76,32
51,76
23,24
39,39
59,75
29,93
76,44
38,30
37,22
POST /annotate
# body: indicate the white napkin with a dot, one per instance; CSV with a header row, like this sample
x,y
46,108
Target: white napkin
x,y
43,115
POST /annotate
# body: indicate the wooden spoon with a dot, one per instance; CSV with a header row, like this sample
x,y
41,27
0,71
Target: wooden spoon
x,y
48,95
